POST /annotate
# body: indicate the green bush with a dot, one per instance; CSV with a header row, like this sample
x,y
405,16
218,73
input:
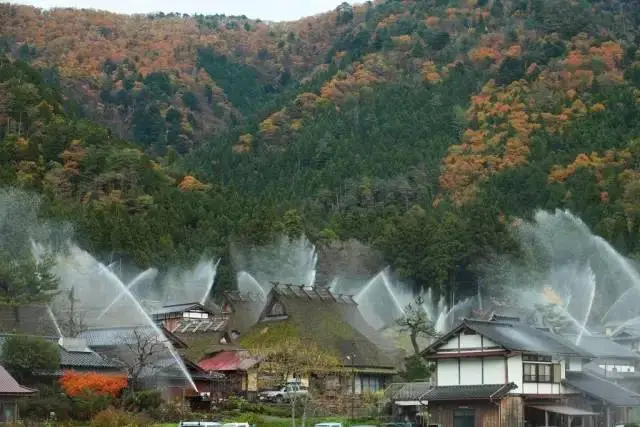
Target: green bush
x,y
86,405
39,408
142,401
111,417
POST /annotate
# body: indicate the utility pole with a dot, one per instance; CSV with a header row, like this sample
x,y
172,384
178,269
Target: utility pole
x,y
352,358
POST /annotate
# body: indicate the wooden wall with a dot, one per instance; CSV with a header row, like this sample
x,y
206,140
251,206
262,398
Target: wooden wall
x,y
508,412
486,414
512,411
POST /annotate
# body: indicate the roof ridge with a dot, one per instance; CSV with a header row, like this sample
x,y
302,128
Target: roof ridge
x,y
312,293
182,303
488,322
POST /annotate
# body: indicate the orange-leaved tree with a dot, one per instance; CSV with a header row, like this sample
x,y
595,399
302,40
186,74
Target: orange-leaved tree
x,y
75,383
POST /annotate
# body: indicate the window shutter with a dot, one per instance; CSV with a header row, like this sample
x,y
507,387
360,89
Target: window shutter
x,y
557,373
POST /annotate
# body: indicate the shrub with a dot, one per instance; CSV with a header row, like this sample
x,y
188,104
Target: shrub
x,y
172,411
87,404
142,401
111,417
39,408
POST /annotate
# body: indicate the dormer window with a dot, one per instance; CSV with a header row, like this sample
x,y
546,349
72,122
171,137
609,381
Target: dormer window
x,y
277,310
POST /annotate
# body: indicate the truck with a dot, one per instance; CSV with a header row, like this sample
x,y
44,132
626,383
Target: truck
x,y
285,393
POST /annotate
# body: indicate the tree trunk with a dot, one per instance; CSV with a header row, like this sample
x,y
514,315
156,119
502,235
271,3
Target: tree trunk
x,y
292,400
304,411
414,343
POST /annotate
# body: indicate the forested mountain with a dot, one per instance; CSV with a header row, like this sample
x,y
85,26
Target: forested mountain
x,y
420,128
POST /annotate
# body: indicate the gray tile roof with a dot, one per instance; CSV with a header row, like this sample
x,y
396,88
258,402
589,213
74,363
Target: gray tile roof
x,y
516,336
409,391
169,368
86,360
604,348
603,389
460,392
106,337
72,359
423,391
109,337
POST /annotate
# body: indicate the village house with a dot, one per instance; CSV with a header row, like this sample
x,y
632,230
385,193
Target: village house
x,y
158,369
10,394
613,361
506,373
36,320
330,322
211,342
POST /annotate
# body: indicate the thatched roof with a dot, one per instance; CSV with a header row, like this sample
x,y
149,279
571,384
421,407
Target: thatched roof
x,y
321,318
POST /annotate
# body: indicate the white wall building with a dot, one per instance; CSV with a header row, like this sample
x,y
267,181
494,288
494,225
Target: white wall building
x,y
506,373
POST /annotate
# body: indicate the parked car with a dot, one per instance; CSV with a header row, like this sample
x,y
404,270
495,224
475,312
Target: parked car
x,y
236,425
199,424
283,394
329,424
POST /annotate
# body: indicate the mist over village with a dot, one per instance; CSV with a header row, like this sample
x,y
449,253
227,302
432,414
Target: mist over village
x,y
395,213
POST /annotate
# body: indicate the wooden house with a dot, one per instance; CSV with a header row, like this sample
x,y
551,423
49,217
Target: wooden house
x,y
505,373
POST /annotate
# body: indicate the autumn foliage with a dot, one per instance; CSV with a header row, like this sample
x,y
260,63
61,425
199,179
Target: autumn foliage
x,y
75,383
504,119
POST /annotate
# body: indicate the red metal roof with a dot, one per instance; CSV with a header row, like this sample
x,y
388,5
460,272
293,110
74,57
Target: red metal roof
x,y
228,361
8,385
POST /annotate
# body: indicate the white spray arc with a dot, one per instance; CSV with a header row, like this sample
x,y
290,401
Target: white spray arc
x,y
567,266
93,284
149,274
192,285
381,300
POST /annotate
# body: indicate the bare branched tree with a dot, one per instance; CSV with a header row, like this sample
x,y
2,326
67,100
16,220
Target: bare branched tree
x,y
144,348
72,322
417,323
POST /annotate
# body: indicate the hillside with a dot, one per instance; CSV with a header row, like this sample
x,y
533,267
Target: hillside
x,y
167,80
416,127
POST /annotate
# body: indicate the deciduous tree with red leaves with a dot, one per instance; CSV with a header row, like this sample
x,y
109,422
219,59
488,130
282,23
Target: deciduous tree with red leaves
x,y
75,383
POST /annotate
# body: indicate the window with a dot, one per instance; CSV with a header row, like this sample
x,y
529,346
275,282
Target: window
x,y
369,383
537,372
529,373
544,373
277,310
